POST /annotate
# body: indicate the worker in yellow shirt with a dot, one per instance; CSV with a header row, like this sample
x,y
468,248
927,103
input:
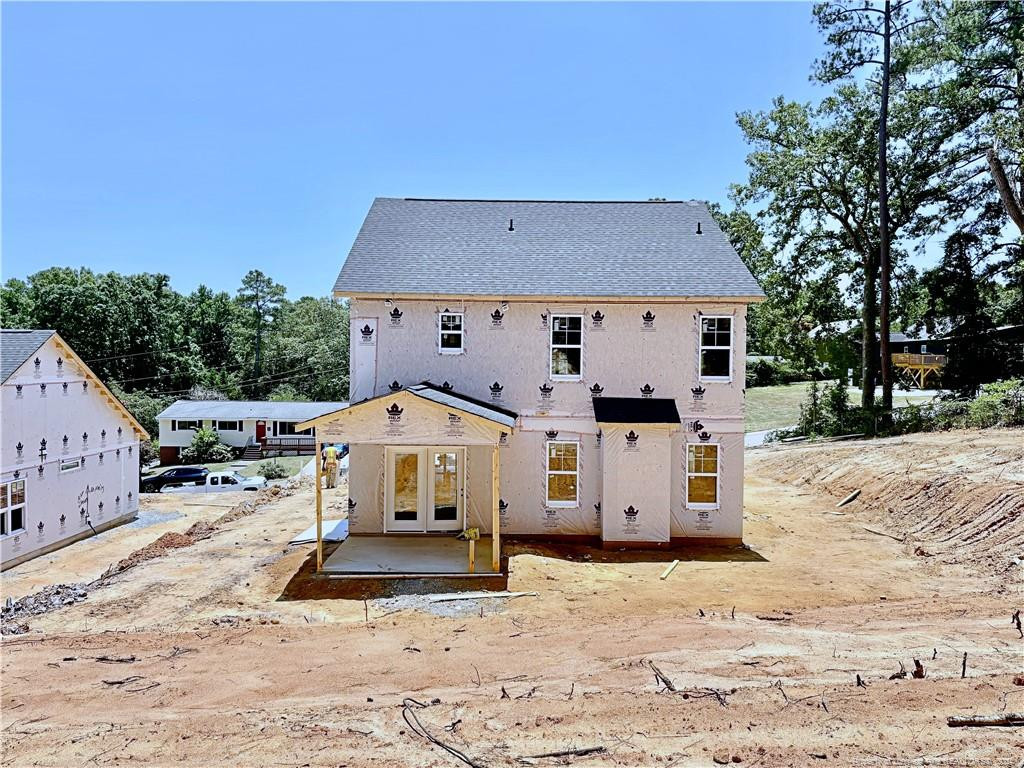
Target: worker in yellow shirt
x,y
332,466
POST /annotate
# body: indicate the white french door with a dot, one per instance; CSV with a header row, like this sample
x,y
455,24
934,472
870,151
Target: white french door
x,y
425,489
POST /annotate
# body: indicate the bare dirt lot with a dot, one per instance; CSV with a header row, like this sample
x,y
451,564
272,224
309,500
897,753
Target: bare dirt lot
x,y
195,657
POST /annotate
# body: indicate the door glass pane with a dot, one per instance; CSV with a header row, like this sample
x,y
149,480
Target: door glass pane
x,y
406,486
446,485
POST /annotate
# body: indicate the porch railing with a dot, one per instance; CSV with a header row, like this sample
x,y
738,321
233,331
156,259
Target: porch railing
x,y
296,443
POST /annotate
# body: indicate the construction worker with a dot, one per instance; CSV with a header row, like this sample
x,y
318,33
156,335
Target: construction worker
x,y
332,466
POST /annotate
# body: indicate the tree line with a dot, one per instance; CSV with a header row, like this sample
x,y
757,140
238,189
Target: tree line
x,y
916,148
153,344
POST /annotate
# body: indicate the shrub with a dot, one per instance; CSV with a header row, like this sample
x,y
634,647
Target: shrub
x,y
1000,403
273,470
149,451
206,447
769,373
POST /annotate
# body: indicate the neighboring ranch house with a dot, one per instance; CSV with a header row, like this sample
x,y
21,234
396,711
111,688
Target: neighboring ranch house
x,y
257,427
69,452
545,369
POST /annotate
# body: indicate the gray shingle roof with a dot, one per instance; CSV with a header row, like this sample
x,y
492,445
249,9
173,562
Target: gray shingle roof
x,y
17,346
247,409
558,248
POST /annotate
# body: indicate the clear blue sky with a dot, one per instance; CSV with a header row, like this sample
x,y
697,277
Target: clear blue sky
x,y
205,140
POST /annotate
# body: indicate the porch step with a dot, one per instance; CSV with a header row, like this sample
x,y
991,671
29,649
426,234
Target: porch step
x,y
252,452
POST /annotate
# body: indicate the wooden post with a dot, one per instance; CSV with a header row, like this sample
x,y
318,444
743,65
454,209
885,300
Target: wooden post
x,y
472,555
495,517
319,505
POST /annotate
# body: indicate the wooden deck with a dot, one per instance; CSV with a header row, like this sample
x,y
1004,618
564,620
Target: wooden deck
x,y
917,369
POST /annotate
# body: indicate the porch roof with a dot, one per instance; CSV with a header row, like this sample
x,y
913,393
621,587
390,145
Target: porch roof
x,y
420,414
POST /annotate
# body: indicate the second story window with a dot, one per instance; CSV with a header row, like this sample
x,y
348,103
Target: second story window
x,y
449,333
716,348
566,347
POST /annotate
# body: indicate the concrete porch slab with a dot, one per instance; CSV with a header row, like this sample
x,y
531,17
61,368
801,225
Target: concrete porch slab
x,y
407,556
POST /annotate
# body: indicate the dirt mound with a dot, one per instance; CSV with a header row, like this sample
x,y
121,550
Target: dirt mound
x,y
199,531
955,495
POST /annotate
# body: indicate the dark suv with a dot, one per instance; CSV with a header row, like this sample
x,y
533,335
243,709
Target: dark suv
x,y
178,476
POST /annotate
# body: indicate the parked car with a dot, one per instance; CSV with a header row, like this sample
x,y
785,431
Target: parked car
x,y
174,477
217,482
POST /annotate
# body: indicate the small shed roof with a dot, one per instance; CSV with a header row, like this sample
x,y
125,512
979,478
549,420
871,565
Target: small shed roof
x,y
17,346
248,409
635,410
410,246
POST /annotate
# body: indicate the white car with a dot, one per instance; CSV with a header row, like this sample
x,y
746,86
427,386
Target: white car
x,y
217,482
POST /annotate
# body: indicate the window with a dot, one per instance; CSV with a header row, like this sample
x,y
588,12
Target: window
x,y
562,473
181,426
715,347
12,507
566,347
288,428
702,475
229,426
70,465
924,349
449,333
214,480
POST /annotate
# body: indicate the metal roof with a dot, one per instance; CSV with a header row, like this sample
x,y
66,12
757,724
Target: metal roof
x,y
248,409
17,346
452,399
543,248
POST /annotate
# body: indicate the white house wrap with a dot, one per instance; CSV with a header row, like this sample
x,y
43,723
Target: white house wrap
x,y
490,341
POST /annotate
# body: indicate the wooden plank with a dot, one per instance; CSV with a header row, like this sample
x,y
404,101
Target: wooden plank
x,y
319,506
495,516
472,555
667,571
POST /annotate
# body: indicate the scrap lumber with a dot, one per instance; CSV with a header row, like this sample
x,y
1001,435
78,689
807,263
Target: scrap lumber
x,y
667,571
582,751
848,499
1012,719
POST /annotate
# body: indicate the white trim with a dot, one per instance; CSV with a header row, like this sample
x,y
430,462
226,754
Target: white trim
x,y
548,472
5,512
424,489
551,348
461,332
701,347
687,475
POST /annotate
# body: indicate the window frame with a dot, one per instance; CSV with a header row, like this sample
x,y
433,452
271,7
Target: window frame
x,y
717,474
177,425
7,507
548,472
461,333
701,347
70,465
552,346
236,428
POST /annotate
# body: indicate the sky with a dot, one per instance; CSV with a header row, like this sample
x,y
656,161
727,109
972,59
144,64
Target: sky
x,y
204,140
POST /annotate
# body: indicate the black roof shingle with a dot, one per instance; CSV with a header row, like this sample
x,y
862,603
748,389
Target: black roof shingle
x,y
410,246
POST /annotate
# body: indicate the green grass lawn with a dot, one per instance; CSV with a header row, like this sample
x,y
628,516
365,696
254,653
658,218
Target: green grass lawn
x,y
777,407
774,407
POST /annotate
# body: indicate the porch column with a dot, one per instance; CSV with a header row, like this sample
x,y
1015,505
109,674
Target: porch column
x,y
319,505
495,517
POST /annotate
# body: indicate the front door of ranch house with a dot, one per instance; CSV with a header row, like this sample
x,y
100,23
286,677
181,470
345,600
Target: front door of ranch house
x,y
425,489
